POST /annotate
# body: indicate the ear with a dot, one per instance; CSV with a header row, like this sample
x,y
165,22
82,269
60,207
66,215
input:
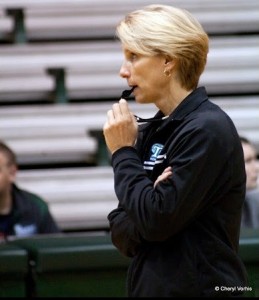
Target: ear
x,y
168,59
169,62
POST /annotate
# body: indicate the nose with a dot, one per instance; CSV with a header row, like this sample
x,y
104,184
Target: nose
x,y
124,70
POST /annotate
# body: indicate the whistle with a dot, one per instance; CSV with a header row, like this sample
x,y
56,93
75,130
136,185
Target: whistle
x,y
126,93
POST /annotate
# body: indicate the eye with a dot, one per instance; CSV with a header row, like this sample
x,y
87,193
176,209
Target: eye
x,y
132,56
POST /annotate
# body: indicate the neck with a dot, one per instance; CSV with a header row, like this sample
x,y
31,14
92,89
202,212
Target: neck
x,y
170,103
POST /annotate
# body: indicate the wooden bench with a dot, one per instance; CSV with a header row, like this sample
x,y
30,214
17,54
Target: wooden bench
x,y
78,198
90,70
86,19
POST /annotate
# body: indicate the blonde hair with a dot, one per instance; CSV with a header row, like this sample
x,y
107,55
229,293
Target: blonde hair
x,y
171,31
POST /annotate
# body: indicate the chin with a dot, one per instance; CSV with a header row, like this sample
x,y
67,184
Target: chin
x,y
141,100
138,99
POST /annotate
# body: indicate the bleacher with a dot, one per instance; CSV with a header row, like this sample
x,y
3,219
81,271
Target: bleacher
x,y
34,21
59,66
90,70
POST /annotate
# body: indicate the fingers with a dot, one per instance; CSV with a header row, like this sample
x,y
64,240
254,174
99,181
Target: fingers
x,y
124,107
165,175
168,169
121,110
120,128
110,114
116,111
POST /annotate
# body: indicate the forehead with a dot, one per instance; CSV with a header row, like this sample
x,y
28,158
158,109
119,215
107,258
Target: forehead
x,y
132,48
128,49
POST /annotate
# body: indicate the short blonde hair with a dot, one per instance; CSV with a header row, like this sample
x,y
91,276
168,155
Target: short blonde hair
x,y
171,31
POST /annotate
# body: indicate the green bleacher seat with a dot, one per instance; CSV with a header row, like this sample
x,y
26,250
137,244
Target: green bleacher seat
x,y
13,271
75,265
249,252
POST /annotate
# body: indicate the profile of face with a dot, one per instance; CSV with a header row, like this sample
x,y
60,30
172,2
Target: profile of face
x,y
251,165
145,73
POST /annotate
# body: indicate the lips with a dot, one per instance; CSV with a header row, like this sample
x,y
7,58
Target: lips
x,y
133,88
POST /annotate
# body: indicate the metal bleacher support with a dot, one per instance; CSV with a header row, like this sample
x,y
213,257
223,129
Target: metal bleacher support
x,y
18,34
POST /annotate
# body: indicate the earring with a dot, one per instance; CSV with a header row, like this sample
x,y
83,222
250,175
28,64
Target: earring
x,y
167,73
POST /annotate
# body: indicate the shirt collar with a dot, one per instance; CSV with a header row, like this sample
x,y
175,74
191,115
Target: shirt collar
x,y
189,104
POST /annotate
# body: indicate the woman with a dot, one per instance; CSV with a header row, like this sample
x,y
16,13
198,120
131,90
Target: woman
x,y
179,177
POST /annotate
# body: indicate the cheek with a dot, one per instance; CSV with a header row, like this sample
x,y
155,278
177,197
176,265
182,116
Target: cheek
x,y
154,79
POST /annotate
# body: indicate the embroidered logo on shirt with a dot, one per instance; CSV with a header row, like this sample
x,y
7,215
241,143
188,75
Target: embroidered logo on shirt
x,y
26,230
155,157
155,150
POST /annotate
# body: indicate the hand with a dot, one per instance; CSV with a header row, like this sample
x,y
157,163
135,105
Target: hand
x,y
121,128
166,173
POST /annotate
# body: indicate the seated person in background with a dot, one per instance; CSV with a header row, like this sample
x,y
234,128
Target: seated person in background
x,y
21,213
250,217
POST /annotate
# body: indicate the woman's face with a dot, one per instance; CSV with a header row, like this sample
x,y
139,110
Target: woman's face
x,y
146,73
250,165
